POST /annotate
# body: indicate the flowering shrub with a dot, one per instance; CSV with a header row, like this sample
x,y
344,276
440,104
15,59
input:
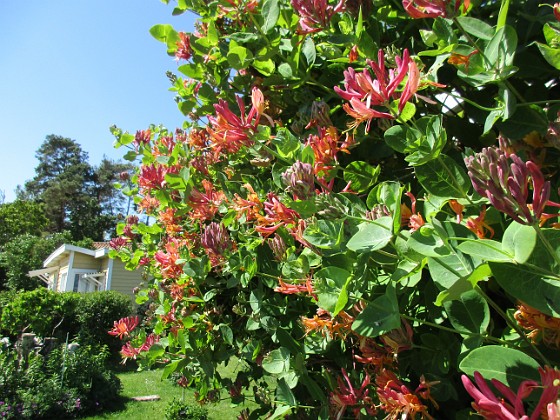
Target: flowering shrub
x,y
361,207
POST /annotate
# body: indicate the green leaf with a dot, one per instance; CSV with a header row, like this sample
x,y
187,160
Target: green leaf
x,y
308,51
389,194
286,143
500,51
530,287
284,394
476,27
166,34
425,241
270,12
361,175
372,236
265,67
277,361
285,70
550,54
443,177
525,120
324,234
380,316
463,285
192,70
486,249
329,284
395,137
239,57
469,314
519,240
509,366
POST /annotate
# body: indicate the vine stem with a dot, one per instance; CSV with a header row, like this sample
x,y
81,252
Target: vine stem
x,y
452,330
547,244
512,325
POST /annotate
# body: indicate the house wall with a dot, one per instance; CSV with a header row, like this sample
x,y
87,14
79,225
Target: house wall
x,y
86,262
123,280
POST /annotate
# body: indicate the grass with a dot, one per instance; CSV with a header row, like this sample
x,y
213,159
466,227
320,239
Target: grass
x,y
135,384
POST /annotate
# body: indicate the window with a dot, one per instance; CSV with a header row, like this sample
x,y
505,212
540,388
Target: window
x,y
76,283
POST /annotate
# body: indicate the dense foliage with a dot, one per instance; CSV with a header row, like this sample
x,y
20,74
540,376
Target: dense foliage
x,y
361,208
84,317
61,384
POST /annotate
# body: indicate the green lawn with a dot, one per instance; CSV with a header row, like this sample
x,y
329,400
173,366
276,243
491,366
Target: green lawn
x,y
144,383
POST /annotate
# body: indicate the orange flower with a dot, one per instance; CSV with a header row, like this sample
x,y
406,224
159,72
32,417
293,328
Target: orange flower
x,y
398,401
205,205
294,288
325,145
250,207
276,216
478,226
539,325
167,261
457,209
124,326
409,216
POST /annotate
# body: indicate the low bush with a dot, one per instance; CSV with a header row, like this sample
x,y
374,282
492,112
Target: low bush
x,y
61,384
179,410
85,317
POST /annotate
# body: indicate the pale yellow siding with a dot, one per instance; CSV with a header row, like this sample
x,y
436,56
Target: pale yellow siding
x,y
86,262
123,280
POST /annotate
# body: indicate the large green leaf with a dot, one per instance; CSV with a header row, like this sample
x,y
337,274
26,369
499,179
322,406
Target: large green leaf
x,y
380,316
519,240
443,177
476,27
330,285
270,12
361,175
372,236
324,234
529,286
469,314
277,361
166,34
486,249
509,366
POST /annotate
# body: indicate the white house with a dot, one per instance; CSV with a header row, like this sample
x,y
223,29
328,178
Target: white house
x,y
73,268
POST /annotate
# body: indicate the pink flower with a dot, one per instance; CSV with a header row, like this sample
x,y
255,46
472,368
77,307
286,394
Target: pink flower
x,y
419,9
118,243
230,132
124,326
366,93
510,406
184,50
347,396
315,15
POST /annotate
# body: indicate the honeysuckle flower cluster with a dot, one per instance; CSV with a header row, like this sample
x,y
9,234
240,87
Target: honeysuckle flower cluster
x,y
419,9
315,15
124,326
370,97
510,406
504,181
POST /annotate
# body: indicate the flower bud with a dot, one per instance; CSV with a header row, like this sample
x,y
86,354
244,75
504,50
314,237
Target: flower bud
x,y
299,180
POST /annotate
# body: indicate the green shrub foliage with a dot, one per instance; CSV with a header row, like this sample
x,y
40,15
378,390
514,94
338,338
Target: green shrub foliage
x,y
178,410
85,317
61,384
361,207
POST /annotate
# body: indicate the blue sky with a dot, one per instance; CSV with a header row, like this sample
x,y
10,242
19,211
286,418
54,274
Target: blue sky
x,y
74,68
